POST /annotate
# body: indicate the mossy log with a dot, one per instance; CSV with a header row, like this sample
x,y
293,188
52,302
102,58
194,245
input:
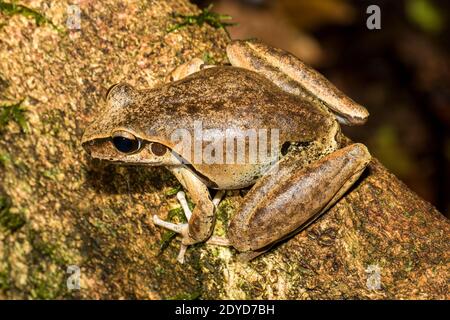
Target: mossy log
x,y
59,208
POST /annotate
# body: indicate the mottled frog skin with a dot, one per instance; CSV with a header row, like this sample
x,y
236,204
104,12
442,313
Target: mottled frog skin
x,y
264,88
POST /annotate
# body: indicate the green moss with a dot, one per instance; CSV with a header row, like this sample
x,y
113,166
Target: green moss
x,y
304,271
52,121
160,270
8,220
18,9
3,82
5,158
13,112
215,20
173,191
409,265
103,228
51,174
224,212
4,280
207,58
50,250
46,285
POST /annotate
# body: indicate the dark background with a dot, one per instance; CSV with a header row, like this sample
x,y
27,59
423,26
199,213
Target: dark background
x,y
400,73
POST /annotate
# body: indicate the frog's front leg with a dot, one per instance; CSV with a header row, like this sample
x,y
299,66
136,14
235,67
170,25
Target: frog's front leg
x,y
202,219
289,197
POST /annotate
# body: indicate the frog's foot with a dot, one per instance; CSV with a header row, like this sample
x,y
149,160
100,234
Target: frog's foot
x,y
181,228
218,197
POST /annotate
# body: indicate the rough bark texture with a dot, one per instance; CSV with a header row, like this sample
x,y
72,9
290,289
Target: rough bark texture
x,y
60,208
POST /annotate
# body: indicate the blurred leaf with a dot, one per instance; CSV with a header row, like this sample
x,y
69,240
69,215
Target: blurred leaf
x,y
178,214
307,14
387,147
425,14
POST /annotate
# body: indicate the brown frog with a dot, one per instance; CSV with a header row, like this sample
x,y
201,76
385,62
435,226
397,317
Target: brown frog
x,y
187,124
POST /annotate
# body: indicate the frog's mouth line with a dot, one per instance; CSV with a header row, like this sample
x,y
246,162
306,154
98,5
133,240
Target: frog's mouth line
x,y
123,162
129,163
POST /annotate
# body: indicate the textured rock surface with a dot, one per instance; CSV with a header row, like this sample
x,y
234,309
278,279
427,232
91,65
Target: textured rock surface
x,y
59,208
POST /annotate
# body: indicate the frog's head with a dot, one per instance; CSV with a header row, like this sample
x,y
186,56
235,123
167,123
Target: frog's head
x,y
117,134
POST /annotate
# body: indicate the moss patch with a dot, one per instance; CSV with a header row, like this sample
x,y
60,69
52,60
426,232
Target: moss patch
x,y
9,220
13,112
18,9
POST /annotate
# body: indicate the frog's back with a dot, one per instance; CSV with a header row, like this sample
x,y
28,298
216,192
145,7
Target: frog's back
x,y
229,97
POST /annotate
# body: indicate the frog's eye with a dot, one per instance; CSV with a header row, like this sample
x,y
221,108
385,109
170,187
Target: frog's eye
x,y
158,149
125,142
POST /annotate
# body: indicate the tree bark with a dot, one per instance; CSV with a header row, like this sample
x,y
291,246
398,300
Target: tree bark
x,y
59,208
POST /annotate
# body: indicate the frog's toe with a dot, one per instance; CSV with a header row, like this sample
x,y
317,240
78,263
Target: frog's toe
x,y
181,196
182,253
180,228
218,197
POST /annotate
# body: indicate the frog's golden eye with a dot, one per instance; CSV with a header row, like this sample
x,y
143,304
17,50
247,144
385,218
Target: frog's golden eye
x,y
158,149
109,90
125,142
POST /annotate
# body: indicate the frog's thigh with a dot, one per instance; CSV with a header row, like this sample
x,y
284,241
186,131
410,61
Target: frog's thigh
x,y
287,198
187,69
202,220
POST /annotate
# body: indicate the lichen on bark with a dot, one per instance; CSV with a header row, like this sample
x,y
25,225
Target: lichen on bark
x,y
76,211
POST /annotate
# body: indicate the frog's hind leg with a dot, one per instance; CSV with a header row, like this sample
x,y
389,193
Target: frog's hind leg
x,y
181,196
292,75
288,198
